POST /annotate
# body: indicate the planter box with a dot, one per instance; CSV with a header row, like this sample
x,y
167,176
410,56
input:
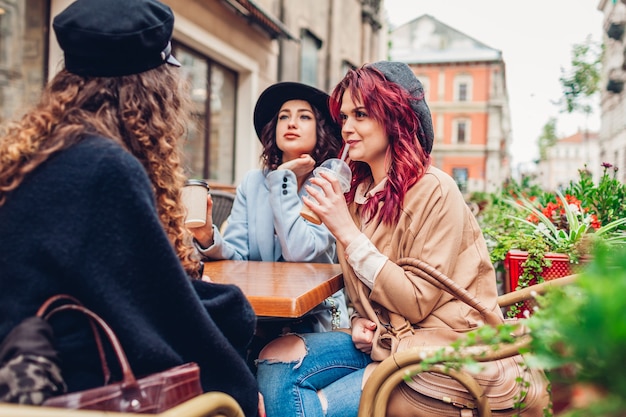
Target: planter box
x,y
561,266
514,259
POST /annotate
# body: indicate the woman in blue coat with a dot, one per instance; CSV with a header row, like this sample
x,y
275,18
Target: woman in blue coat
x,y
297,133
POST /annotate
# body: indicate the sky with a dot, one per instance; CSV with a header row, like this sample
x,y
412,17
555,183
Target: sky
x,y
536,39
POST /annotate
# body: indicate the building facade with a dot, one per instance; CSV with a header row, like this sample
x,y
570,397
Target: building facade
x,y
231,50
612,139
465,88
567,156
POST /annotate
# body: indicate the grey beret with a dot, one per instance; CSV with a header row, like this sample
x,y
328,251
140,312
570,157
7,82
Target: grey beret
x,y
111,38
401,74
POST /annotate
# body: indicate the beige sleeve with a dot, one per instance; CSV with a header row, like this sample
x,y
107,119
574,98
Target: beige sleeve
x,y
365,259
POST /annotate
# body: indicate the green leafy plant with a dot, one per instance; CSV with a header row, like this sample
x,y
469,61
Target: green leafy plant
x,y
525,217
580,328
565,226
607,199
503,233
499,229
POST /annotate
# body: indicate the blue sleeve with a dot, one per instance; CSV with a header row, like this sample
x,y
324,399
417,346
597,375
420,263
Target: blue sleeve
x,y
235,245
300,240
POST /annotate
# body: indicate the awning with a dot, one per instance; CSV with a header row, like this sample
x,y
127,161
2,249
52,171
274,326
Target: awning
x,y
253,13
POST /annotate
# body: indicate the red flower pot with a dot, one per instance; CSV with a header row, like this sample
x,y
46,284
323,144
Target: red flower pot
x,y
560,267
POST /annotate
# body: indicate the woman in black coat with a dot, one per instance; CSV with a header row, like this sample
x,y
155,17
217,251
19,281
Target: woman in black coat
x,y
90,206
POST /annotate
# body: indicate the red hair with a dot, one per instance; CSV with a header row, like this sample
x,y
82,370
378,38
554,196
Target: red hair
x,y
390,105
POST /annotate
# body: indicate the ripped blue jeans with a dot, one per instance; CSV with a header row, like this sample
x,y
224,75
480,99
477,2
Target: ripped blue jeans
x,y
332,364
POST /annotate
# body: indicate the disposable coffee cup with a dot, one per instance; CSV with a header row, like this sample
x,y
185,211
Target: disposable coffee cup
x,y
194,196
333,166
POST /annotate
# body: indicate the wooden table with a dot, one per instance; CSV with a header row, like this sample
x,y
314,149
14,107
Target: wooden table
x,y
279,289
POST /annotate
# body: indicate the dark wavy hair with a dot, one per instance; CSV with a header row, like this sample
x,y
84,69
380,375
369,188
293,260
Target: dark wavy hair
x,y
389,104
145,113
327,145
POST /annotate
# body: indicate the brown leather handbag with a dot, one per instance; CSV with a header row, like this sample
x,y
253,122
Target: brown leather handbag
x,y
502,384
154,393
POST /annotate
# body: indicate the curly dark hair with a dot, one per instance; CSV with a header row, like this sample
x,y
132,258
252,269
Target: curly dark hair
x,y
327,145
145,113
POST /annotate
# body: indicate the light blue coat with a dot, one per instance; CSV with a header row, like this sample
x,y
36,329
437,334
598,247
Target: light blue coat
x,y
265,225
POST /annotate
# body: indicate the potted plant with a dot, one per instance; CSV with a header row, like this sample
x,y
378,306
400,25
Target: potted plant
x,y
539,235
500,230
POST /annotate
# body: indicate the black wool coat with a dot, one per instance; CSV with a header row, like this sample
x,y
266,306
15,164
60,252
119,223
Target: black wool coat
x,y
85,223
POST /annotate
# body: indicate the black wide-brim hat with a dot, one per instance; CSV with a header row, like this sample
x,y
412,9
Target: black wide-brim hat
x,y
271,100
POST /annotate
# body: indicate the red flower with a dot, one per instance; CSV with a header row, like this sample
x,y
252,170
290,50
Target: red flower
x,y
532,218
551,210
595,223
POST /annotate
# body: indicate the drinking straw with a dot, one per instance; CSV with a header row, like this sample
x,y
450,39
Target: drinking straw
x,y
344,154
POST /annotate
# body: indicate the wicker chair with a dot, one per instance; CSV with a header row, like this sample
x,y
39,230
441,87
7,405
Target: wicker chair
x,y
210,404
222,205
391,372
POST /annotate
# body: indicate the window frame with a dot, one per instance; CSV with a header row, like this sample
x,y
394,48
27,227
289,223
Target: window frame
x,y
463,87
207,171
456,126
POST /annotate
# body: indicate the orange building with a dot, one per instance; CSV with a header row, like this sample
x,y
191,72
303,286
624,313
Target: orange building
x,y
465,87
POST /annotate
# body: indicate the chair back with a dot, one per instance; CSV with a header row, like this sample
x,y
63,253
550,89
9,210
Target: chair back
x,y
222,205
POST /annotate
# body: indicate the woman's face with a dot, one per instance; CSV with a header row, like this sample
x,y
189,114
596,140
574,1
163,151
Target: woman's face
x,y
295,129
366,136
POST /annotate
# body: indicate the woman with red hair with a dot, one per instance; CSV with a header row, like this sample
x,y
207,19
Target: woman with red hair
x,y
398,206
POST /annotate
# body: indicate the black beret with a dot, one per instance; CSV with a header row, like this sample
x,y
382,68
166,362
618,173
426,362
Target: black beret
x,y
274,96
401,74
110,38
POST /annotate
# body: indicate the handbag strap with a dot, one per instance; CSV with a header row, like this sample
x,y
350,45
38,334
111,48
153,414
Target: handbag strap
x,y
54,299
127,373
441,281
43,311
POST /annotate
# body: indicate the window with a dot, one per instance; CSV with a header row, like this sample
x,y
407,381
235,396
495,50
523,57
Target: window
x,y
346,66
461,131
463,88
309,48
462,92
460,176
210,146
23,54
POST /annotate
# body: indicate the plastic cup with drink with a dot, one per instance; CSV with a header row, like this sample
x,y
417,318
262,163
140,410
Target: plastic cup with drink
x,y
334,166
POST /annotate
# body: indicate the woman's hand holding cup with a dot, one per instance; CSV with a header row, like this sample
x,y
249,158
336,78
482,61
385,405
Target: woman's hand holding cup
x,y
204,234
199,205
